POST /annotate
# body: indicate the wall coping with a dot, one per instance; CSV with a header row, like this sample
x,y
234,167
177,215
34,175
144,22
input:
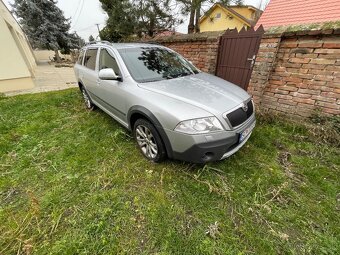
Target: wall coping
x,y
325,28
205,36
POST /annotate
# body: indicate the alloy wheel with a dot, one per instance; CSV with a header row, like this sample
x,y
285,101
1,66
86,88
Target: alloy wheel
x,y
146,142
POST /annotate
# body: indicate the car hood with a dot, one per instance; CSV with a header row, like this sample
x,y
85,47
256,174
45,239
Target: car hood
x,y
203,90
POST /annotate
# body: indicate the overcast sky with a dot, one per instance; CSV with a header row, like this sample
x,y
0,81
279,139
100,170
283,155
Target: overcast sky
x,y
85,14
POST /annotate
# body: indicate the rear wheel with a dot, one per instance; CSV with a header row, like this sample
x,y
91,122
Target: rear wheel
x,y
149,141
87,100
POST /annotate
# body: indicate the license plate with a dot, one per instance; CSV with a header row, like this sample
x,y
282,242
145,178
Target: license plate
x,y
246,132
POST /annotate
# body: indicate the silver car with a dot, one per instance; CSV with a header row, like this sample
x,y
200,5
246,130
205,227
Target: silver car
x,y
173,109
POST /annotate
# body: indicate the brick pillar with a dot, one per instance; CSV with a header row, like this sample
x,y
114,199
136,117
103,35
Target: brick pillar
x,y
264,64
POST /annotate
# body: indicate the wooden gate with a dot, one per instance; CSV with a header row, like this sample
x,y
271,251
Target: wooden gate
x,y
236,55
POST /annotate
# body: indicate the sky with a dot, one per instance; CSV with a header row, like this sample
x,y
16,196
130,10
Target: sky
x,y
85,14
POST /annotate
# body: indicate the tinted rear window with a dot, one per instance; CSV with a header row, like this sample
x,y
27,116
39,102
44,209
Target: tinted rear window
x,y
90,58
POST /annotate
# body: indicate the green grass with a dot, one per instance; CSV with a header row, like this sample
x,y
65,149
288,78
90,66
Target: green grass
x,y
74,182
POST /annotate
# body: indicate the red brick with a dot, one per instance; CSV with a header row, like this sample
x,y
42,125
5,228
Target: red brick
x,y
288,102
321,61
333,68
332,94
329,56
310,44
328,105
301,85
287,97
299,55
313,82
323,78
299,60
269,98
304,100
309,91
300,95
327,51
311,66
288,88
289,44
271,94
308,106
321,72
280,69
269,40
276,82
292,79
326,89
324,99
281,92
286,64
331,45
303,76
331,111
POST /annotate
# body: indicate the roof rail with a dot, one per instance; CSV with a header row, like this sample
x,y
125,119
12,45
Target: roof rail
x,y
94,42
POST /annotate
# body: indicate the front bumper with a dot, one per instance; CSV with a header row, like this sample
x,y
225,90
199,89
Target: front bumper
x,y
208,147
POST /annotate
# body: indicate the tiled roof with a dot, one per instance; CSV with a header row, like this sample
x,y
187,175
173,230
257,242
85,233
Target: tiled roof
x,y
293,12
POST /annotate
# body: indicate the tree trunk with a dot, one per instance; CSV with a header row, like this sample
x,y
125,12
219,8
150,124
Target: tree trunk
x,y
191,26
57,56
198,16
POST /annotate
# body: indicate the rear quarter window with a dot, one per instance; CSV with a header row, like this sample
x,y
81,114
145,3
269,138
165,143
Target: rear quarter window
x,y
80,58
90,58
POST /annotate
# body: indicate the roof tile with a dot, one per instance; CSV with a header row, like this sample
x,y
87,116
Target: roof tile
x,y
294,12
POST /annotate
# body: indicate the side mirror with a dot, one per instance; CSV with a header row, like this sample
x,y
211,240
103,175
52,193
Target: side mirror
x,y
108,74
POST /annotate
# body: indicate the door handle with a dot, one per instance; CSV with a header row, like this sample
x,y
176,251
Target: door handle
x,y
98,81
252,60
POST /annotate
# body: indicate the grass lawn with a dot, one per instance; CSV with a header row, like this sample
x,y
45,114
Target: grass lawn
x,y
74,182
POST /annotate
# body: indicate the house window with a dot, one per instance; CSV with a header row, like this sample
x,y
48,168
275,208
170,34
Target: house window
x,y
218,15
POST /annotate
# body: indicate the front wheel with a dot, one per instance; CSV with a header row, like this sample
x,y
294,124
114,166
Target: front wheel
x,y
149,141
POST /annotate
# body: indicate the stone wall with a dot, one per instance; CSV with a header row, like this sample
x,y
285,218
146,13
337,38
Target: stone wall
x,y
298,73
201,48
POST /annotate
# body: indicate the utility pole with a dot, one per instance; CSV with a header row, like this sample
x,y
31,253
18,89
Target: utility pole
x,y
98,28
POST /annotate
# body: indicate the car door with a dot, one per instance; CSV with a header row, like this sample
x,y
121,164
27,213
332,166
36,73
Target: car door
x,y
111,93
89,74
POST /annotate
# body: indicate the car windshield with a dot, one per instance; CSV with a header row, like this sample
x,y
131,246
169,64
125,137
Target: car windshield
x,y
148,64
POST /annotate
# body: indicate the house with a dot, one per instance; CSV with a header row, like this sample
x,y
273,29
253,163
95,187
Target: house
x,y
167,33
297,12
220,17
17,62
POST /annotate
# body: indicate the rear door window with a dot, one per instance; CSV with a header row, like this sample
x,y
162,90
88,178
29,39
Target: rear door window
x,y
90,58
108,61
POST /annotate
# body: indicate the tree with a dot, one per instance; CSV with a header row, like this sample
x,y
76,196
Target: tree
x,y
45,25
153,16
136,18
121,22
91,38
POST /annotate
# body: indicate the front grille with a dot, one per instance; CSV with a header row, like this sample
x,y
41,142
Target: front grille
x,y
239,116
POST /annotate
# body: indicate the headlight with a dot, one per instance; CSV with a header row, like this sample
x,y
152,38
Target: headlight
x,y
199,126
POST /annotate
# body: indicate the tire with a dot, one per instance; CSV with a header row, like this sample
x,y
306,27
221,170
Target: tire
x,y
149,141
87,100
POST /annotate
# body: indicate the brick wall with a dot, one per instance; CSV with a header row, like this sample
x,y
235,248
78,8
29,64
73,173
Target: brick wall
x,y
298,73
201,48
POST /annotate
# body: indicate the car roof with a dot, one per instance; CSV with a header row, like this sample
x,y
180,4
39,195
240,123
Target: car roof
x,y
121,45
